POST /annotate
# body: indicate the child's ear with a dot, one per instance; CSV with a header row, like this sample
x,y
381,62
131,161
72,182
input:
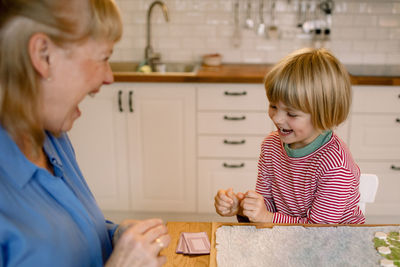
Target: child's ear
x,y
40,47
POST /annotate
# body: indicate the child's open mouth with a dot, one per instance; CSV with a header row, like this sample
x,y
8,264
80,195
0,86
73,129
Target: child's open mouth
x,y
283,131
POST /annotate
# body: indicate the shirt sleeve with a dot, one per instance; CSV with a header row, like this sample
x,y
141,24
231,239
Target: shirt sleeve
x,y
2,256
263,185
111,227
330,202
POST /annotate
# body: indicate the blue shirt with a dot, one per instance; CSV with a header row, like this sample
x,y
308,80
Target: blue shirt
x,y
46,219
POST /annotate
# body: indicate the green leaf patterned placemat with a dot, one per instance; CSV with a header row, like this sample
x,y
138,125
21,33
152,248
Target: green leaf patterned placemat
x,y
388,246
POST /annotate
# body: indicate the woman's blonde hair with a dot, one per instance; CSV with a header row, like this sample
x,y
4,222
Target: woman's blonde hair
x,y
313,81
64,21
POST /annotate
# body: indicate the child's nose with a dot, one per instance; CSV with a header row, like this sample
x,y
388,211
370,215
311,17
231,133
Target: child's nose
x,y
278,118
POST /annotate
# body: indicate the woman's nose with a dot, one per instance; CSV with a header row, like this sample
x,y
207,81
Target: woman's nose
x,y
108,75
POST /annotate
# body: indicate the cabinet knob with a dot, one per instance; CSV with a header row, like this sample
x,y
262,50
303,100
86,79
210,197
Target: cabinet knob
x,y
234,118
241,142
226,165
120,101
394,167
235,93
398,120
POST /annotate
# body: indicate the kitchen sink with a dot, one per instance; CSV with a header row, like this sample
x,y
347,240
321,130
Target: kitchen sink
x,y
170,68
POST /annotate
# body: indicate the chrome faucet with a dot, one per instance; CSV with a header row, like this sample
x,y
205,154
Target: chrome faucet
x,y
148,52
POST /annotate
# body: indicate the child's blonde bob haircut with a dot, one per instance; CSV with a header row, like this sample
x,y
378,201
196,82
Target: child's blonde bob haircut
x,y
313,81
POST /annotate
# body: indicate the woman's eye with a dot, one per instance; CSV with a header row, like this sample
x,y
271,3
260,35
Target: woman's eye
x,y
292,115
272,106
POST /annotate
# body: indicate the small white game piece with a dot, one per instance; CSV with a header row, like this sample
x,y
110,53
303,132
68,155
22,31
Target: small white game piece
x,y
380,235
384,250
387,263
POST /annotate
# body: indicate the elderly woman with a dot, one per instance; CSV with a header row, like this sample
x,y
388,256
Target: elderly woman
x,y
53,53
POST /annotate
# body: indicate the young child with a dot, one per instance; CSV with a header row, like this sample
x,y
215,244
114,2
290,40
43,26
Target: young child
x,y
306,173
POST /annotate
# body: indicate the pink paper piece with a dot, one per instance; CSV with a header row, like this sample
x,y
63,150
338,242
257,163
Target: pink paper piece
x,y
193,243
197,243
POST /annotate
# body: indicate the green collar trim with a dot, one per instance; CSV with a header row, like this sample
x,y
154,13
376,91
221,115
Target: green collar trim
x,y
321,140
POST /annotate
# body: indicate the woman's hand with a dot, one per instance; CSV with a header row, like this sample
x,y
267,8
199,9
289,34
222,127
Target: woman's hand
x,y
254,208
138,243
227,203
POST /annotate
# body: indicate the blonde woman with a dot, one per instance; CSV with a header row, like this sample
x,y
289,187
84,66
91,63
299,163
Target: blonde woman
x,y
53,53
306,173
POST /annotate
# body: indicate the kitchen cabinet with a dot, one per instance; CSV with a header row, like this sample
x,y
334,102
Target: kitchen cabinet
x,y
170,146
98,137
232,121
375,142
139,154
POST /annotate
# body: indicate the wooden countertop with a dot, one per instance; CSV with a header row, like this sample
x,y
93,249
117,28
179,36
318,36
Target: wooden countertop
x,y
236,73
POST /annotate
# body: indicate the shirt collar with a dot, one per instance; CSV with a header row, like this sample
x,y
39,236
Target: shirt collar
x,y
321,140
51,152
13,163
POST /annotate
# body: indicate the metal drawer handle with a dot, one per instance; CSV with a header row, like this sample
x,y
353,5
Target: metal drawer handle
x,y
234,118
226,165
398,120
120,101
394,167
235,93
235,142
130,101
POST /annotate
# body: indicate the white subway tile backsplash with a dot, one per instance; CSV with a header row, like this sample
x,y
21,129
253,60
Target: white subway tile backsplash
x,y
392,59
341,45
365,20
381,8
377,33
389,21
394,34
374,58
391,46
341,20
396,8
348,33
363,31
363,46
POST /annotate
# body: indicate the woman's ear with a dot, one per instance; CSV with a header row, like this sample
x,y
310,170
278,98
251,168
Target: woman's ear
x,y
40,47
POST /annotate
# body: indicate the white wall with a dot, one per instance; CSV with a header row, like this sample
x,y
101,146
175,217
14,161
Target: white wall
x,y
363,31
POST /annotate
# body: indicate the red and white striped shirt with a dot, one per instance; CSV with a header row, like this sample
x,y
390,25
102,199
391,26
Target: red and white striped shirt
x,y
322,187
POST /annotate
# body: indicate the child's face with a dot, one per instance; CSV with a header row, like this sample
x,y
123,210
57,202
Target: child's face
x,y
294,126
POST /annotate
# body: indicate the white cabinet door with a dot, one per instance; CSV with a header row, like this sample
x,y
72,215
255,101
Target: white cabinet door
x,y
387,201
375,136
161,147
217,174
98,139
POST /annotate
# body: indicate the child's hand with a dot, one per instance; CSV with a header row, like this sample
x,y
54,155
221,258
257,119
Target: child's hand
x,y
227,203
254,208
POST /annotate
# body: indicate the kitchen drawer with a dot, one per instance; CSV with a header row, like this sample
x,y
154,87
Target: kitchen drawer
x,y
387,201
372,99
234,123
375,136
230,146
216,174
232,97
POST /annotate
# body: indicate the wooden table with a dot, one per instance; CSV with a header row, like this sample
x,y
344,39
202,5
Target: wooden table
x,y
175,228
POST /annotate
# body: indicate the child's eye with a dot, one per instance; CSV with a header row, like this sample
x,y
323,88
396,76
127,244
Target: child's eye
x,y
272,106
